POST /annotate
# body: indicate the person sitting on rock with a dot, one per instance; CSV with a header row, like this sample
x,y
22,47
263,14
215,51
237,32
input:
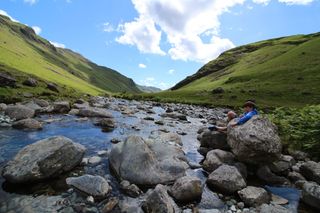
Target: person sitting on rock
x,y
250,109
231,115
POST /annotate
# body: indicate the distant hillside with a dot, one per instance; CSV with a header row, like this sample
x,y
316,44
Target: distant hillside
x,y
149,89
22,52
277,72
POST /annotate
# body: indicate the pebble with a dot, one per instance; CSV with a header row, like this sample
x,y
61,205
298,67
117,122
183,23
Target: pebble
x,y
95,160
240,205
233,208
90,199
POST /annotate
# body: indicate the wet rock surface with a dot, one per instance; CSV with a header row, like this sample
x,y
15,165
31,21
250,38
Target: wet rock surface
x,y
19,112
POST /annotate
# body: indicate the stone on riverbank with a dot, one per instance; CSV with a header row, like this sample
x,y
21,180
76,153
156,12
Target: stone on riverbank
x,y
187,189
96,186
94,112
147,162
214,140
256,141
43,159
28,123
226,179
216,158
311,171
19,112
311,194
61,107
254,196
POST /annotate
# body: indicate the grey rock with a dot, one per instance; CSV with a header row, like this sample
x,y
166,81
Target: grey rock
x,y
53,87
159,201
96,186
311,194
175,115
28,123
283,164
130,189
214,140
43,159
31,82
277,200
265,174
41,102
295,176
147,162
167,137
19,112
226,179
3,107
61,107
256,141
187,189
271,208
95,112
107,123
254,196
311,171
299,155
216,158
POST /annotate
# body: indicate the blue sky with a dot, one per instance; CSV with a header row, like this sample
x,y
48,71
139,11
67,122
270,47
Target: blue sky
x,y
160,42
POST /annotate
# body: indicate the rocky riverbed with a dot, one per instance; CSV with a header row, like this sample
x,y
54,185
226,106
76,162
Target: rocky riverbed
x,y
113,155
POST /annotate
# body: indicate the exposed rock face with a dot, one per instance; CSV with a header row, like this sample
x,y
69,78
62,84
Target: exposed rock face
x,y
147,162
96,186
31,82
216,158
256,141
159,201
311,171
311,194
61,107
226,179
7,80
214,140
94,112
28,123
19,112
187,189
254,196
53,87
43,159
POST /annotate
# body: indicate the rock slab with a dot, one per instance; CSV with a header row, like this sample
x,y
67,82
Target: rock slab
x,y
43,159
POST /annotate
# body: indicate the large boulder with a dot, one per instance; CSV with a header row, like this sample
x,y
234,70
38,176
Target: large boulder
x,y
216,158
311,171
61,107
96,186
214,140
311,194
19,112
94,112
28,123
256,141
226,179
147,162
159,201
254,196
43,159
187,189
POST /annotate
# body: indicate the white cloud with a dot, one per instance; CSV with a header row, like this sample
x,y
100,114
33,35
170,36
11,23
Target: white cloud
x,y
143,66
171,71
296,2
184,23
31,2
264,2
4,13
143,34
107,27
56,44
37,29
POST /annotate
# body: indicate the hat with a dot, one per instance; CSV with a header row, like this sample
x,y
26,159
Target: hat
x,y
250,103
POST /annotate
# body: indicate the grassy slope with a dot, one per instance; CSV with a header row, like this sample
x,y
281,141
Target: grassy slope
x,y
22,50
277,72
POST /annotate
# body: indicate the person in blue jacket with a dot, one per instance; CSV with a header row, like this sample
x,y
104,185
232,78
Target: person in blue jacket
x,y
250,109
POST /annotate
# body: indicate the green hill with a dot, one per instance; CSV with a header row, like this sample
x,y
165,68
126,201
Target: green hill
x,y
23,53
277,72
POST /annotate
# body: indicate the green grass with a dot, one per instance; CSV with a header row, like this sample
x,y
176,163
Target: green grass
x,y
22,50
276,72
